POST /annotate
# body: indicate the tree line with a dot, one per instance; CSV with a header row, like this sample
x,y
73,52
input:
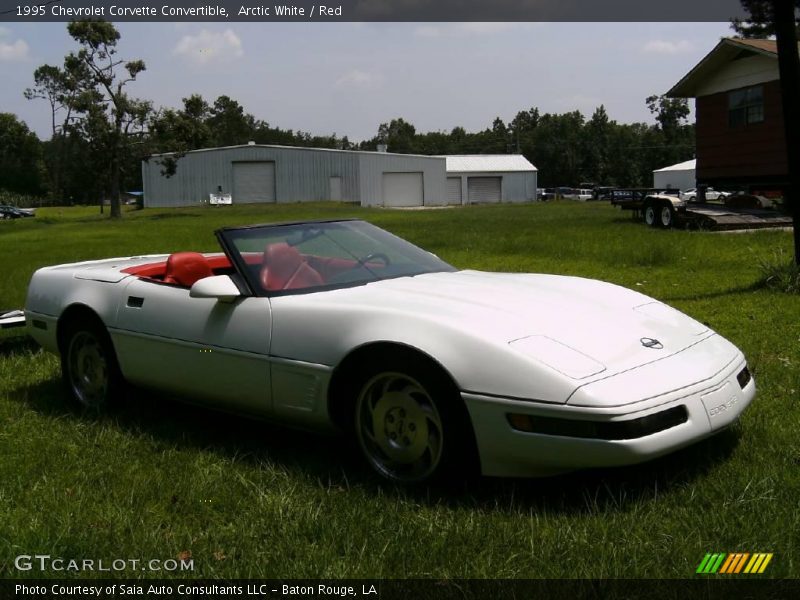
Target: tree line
x,y
99,133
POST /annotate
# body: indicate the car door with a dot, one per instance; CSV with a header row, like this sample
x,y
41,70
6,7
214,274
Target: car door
x,y
210,351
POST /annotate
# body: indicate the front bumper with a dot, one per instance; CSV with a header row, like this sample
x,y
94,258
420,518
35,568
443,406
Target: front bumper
x,y
711,405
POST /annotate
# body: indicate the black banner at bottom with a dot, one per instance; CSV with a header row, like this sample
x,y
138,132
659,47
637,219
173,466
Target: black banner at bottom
x,y
400,589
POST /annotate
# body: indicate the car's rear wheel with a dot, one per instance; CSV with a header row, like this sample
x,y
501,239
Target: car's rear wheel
x,y
89,366
411,425
666,215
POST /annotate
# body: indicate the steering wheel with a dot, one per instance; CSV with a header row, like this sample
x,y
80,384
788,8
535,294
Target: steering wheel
x,y
373,256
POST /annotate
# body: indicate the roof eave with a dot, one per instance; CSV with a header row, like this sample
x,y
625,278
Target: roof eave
x,y
687,86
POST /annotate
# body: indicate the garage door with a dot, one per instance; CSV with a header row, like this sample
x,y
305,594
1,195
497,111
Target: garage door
x,y
454,190
402,189
253,182
484,189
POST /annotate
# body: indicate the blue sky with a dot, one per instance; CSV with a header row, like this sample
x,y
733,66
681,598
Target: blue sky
x,y
347,78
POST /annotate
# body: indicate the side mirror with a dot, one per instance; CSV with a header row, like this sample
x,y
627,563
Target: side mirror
x,y
220,287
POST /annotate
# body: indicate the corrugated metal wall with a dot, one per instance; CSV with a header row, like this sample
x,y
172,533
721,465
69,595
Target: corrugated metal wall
x,y
301,175
517,186
375,164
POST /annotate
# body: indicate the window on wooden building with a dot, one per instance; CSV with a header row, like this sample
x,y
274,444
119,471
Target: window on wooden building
x,y
746,106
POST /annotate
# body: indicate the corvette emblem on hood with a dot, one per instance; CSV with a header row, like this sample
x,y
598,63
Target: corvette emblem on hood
x,y
651,343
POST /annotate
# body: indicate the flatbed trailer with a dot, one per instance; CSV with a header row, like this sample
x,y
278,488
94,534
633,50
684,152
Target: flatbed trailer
x,y
658,209
717,217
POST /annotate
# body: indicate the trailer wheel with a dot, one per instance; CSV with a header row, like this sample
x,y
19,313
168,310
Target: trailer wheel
x,y
666,215
649,213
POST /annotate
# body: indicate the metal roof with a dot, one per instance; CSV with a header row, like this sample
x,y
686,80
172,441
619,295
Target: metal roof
x,y
689,165
488,163
725,51
297,148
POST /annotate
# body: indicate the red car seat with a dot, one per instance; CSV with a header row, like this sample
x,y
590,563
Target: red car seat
x,y
184,268
283,268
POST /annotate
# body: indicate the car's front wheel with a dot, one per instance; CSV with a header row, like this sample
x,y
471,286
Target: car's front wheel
x,y
89,365
411,425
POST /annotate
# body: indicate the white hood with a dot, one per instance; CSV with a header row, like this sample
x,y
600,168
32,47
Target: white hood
x,y
601,321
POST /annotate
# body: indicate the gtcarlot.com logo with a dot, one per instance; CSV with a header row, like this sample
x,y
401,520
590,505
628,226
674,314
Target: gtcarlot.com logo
x,y
45,562
734,564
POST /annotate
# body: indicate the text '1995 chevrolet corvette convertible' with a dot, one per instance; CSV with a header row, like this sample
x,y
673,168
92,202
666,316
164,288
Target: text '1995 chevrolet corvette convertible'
x,y
341,326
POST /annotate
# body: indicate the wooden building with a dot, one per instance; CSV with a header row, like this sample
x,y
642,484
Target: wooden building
x,y
739,130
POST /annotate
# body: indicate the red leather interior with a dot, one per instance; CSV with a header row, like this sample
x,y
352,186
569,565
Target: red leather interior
x,y
184,268
157,270
283,268
329,267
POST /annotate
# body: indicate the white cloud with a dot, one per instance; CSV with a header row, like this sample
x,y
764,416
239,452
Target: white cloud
x,y
209,46
358,79
12,51
668,47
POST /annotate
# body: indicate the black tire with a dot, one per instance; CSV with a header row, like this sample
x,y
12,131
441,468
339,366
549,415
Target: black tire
x,y
89,367
649,214
666,215
410,422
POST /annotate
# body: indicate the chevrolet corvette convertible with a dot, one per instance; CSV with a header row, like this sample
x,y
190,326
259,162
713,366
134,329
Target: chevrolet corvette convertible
x,y
341,326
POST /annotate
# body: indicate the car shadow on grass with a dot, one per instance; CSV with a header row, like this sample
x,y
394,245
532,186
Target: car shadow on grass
x,y
163,418
16,344
334,461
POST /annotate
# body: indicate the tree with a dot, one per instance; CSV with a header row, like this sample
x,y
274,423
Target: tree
x,y
398,135
597,140
178,131
229,123
20,157
59,87
761,23
778,17
110,118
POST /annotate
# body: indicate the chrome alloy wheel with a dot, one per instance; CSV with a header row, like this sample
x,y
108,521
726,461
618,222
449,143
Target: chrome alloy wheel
x,y
88,369
399,428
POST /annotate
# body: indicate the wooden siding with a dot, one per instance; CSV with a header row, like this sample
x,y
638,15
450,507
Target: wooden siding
x,y
756,150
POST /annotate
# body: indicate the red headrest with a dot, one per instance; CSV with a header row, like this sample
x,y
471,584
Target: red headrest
x,y
184,268
284,268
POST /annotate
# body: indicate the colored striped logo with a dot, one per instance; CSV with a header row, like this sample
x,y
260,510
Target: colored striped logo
x,y
730,564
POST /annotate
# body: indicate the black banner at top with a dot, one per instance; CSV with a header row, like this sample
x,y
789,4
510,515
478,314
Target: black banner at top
x,y
373,10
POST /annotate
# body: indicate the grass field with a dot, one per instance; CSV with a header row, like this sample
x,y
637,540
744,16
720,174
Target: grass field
x,y
156,480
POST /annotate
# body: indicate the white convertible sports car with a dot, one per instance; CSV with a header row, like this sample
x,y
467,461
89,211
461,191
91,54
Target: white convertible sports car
x,y
339,325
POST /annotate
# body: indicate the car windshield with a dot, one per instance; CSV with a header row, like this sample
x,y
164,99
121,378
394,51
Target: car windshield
x,y
280,259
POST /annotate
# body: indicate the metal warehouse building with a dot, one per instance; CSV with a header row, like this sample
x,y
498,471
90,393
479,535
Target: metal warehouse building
x,y
676,177
490,178
258,173
255,173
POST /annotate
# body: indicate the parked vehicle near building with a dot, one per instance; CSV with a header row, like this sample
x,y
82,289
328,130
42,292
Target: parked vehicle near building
x,y
692,194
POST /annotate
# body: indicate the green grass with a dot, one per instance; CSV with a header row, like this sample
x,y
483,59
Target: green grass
x,y
153,478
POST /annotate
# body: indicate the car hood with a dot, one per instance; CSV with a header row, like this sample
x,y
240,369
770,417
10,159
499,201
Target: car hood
x,y
577,326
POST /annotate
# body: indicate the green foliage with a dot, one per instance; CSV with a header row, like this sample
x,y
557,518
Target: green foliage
x,y
761,20
780,273
20,157
566,148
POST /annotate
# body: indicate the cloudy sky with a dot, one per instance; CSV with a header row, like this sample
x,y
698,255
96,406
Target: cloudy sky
x,y
347,78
